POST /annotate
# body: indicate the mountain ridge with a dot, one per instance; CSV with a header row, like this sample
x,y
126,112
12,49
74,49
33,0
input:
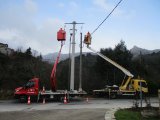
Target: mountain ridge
x,y
51,57
136,51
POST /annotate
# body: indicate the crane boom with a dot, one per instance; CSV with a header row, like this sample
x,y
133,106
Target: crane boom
x,y
125,71
53,73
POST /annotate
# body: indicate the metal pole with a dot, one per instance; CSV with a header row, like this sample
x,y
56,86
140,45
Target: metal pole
x,y
141,92
73,55
80,71
73,58
69,61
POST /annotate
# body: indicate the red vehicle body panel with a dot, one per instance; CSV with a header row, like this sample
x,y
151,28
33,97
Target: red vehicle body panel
x,y
61,35
31,88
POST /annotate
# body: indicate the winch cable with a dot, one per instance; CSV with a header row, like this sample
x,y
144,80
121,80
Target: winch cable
x,y
106,17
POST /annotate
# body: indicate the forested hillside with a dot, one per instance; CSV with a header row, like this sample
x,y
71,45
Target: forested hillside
x,y
18,68
97,72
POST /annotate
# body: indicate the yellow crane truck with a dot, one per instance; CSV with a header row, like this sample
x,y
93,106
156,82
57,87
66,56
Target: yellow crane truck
x,y
129,87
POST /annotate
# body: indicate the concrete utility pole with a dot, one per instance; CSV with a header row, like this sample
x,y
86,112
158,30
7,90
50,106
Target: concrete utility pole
x,y
69,70
72,58
73,55
80,68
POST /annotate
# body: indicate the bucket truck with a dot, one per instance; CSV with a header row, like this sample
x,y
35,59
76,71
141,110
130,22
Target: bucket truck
x,y
129,87
33,89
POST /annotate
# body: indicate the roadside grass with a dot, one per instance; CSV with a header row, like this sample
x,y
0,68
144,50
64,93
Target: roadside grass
x,y
124,114
128,114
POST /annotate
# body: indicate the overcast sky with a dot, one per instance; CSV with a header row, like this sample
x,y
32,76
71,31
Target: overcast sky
x,y
34,23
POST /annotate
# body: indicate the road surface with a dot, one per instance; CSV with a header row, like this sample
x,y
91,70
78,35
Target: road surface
x,y
94,109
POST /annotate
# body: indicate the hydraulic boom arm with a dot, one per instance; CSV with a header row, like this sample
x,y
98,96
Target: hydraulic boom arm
x,y
53,74
125,71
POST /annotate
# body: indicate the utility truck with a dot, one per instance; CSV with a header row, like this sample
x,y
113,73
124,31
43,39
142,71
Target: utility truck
x,y
129,87
34,90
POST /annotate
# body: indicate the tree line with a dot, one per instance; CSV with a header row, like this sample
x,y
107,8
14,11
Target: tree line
x,y
17,69
97,72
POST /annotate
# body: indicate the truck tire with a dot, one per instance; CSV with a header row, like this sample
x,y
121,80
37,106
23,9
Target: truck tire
x,y
137,96
23,98
113,96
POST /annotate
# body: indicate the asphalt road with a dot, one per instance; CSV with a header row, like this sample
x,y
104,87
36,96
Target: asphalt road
x,y
74,114
94,109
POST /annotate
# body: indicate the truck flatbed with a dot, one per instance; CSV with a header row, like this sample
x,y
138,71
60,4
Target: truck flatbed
x,y
62,92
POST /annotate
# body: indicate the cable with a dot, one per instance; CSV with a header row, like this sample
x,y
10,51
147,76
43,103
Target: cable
x,y
81,28
106,17
64,26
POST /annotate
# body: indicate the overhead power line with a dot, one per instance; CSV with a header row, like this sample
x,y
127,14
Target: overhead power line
x,y
106,17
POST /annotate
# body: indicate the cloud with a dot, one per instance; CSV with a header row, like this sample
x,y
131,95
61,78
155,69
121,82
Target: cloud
x,y
73,8
31,6
107,6
46,35
42,39
19,29
73,4
103,4
11,37
61,5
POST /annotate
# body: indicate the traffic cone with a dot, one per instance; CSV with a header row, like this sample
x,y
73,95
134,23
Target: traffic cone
x,y
65,100
29,100
43,89
44,101
87,99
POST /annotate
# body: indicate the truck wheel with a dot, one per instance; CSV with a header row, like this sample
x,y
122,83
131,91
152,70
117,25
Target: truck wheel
x,y
22,98
58,99
136,95
61,99
113,96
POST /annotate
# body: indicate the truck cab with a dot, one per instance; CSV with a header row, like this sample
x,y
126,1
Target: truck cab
x,y
136,83
31,88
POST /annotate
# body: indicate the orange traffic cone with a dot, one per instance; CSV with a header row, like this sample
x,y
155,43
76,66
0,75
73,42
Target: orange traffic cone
x,y
29,100
44,101
65,100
